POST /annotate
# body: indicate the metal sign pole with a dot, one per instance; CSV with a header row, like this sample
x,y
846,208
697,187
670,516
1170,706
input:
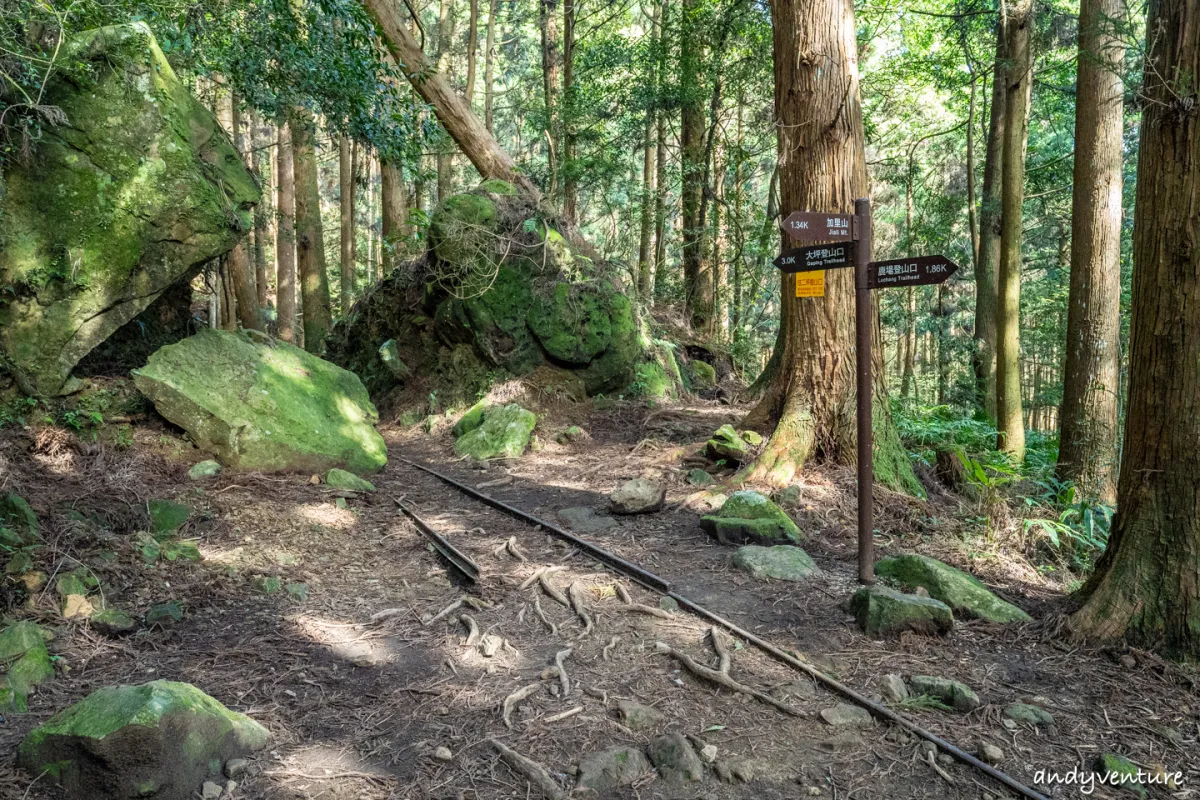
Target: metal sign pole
x,y
862,334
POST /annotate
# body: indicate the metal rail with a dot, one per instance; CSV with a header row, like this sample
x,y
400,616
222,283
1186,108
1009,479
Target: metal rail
x,y
458,559
655,583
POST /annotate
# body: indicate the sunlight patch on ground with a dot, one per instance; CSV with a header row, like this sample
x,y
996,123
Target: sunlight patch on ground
x,y
309,770
326,514
357,644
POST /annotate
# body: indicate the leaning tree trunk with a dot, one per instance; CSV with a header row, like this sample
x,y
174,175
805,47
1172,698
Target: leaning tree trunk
x,y
452,111
809,402
1009,420
1147,585
1087,451
285,239
988,264
310,234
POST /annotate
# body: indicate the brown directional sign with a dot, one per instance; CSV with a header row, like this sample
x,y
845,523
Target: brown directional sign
x,y
820,256
811,226
917,271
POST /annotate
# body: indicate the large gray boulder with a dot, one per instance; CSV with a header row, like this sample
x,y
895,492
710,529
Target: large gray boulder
x,y
275,408
132,194
159,740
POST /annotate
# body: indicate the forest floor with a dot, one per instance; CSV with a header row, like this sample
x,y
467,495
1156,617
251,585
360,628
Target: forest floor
x,y
358,709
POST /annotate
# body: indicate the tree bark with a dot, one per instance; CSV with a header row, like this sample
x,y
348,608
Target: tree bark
x,y
1146,587
310,234
262,212
241,273
988,264
346,203
472,49
646,239
445,151
394,215
371,276
285,239
1087,451
697,282
548,18
1010,423
570,176
489,66
809,401
467,131
660,166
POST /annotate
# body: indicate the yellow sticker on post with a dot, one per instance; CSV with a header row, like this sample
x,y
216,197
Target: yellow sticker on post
x,y
810,284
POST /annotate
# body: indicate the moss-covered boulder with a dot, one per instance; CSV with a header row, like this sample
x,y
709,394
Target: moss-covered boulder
x,y
500,432
750,518
276,408
954,694
132,194
159,740
882,612
347,481
964,593
502,279
18,522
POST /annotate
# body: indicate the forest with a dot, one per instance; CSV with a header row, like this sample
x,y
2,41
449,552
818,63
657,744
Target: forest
x,y
599,398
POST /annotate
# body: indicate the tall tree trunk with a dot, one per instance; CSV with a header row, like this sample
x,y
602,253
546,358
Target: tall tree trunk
x,y
697,283
548,19
1147,585
394,215
1009,420
660,164
570,176
346,203
285,239
809,402
908,376
646,240
468,132
972,216
310,234
707,280
262,212
445,152
489,66
472,49
241,273
1087,452
371,276
987,266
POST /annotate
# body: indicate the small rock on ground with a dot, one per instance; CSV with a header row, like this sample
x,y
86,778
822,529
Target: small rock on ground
x,y
638,717
204,469
1028,714
990,753
211,791
782,562
443,754
638,496
846,715
893,689
612,768
675,759
880,611
582,519
957,695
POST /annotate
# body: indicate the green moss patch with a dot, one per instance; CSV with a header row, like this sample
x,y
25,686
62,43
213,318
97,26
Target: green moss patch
x,y
964,593
884,612
503,432
750,518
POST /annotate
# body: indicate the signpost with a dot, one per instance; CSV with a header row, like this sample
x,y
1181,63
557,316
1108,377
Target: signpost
x,y
855,231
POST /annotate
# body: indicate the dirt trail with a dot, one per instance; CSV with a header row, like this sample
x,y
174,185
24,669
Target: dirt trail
x,y
359,708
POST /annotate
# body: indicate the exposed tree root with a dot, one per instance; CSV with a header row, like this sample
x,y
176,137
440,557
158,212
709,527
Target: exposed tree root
x,y
559,717
511,548
563,678
510,702
472,629
465,600
608,647
531,770
507,479
598,694
629,605
537,575
577,593
537,607
721,676
555,595
929,759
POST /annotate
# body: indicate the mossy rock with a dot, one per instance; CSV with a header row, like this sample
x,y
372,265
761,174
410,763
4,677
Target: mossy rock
x,y
389,354
204,469
955,694
161,739
613,768
348,481
781,562
728,446
703,374
167,516
17,517
574,323
469,421
1118,771
275,409
883,612
1028,714
23,649
964,593
503,432
136,194
113,622
748,517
